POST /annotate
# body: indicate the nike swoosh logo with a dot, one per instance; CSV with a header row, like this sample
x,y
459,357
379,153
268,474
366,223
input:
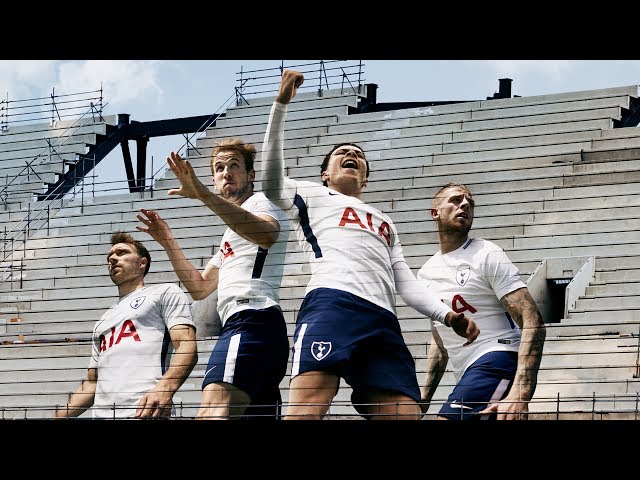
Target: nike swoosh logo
x,y
331,193
457,405
207,372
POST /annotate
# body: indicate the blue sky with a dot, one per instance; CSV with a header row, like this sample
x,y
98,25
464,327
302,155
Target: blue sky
x,y
160,89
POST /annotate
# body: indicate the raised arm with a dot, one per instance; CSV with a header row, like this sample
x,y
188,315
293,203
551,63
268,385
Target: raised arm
x,y
416,293
82,398
261,230
158,401
199,285
273,177
523,310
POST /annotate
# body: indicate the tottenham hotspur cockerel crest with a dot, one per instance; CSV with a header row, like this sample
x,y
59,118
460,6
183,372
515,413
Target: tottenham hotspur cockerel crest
x,y
462,275
319,350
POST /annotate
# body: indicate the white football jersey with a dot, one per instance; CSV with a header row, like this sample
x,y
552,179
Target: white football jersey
x,y
250,276
473,279
131,346
350,245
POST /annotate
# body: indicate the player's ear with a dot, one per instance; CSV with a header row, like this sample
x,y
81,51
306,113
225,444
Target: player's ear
x,y
434,213
252,175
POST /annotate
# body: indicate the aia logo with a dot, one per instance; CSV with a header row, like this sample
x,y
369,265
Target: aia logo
x,y
126,330
227,251
136,302
319,350
350,217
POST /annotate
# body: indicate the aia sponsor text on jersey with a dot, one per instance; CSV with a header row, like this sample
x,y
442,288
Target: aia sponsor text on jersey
x,y
126,330
350,217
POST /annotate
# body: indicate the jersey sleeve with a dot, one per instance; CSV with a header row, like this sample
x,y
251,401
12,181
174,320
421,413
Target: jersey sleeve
x,y
501,273
216,260
175,307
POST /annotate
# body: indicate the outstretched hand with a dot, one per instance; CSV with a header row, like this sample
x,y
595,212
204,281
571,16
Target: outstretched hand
x,y
190,186
289,84
463,326
155,225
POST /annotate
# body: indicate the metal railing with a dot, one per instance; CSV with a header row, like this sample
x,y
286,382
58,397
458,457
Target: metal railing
x,y
562,407
52,108
319,76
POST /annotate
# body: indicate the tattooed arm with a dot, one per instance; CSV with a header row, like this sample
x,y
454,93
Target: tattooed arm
x,y
524,311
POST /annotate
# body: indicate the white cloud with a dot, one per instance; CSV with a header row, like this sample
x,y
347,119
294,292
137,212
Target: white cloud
x,y
556,69
24,79
122,81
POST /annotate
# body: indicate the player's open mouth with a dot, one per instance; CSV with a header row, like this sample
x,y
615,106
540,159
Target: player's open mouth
x,y
350,164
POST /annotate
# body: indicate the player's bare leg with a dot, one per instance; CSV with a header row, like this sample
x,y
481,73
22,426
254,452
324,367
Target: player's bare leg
x,y
222,401
310,395
387,405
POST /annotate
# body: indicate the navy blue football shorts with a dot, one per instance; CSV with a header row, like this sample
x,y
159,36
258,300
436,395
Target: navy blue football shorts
x,y
486,381
252,353
343,334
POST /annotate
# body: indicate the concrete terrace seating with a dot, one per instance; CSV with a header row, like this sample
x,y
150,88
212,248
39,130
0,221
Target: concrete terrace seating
x,y
551,178
34,155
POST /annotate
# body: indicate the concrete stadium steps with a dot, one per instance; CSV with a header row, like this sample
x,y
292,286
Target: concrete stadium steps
x,y
294,137
60,129
14,154
622,274
461,128
444,141
433,153
57,164
241,130
50,285
224,124
28,186
36,377
202,153
248,119
64,357
34,156
623,280
329,140
577,192
415,172
302,101
535,102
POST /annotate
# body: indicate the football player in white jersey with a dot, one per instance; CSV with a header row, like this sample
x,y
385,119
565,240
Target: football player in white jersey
x,y
250,357
128,375
347,325
496,375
